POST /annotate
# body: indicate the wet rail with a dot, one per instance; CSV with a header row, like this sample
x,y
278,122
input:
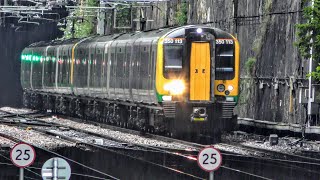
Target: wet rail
x,y
135,152
181,161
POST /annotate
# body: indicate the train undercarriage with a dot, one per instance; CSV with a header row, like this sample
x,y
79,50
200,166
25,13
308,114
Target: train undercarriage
x,y
177,120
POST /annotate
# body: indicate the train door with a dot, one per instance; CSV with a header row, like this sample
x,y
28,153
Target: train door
x,y
200,71
107,64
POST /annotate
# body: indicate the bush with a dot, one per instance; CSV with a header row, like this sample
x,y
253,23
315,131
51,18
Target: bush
x,y
250,65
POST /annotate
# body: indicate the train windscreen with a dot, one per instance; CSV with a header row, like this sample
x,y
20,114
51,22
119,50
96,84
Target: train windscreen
x,y
173,55
225,63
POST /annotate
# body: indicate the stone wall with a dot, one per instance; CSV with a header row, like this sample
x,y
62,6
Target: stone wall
x,y
266,32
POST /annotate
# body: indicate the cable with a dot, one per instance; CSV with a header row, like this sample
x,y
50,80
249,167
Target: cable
x,y
270,159
250,174
85,175
280,164
26,177
5,157
30,167
8,164
76,162
77,174
268,14
26,168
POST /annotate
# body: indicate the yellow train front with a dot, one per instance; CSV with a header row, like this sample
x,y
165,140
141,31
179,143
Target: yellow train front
x,y
182,82
197,81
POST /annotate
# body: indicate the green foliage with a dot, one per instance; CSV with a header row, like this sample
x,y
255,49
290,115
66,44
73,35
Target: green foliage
x,y
257,45
123,18
83,22
268,6
315,74
309,34
181,15
249,65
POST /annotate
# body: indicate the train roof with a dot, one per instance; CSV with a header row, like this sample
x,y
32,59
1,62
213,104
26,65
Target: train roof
x,y
157,33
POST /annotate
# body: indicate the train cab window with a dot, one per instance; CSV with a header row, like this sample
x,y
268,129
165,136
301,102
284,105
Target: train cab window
x,y
173,55
225,62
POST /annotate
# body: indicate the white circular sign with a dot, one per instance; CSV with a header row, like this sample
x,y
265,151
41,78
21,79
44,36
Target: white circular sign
x,y
209,159
22,155
54,167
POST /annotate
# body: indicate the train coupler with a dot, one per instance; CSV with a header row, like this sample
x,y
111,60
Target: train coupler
x,y
199,114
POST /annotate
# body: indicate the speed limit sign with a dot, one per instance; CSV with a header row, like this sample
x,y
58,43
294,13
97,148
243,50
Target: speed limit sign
x,y
209,159
22,155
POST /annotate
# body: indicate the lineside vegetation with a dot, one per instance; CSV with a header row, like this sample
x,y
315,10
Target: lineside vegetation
x,y
309,34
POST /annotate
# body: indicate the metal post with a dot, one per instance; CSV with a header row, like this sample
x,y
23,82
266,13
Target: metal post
x,y
55,169
101,20
310,83
310,79
211,175
21,174
72,27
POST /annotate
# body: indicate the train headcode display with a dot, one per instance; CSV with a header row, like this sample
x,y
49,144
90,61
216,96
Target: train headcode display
x,y
176,41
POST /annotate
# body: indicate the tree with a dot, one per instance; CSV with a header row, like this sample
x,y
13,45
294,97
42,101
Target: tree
x,y
81,22
309,34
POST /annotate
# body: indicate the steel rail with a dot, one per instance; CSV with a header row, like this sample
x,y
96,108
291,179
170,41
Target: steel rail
x,y
180,141
94,146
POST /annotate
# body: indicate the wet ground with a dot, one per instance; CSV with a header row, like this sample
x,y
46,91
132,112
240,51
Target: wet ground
x,y
138,163
124,167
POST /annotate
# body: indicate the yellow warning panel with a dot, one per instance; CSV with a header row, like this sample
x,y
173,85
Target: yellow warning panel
x,y
200,71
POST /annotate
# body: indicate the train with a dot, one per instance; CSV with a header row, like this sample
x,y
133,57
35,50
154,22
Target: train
x,y
178,81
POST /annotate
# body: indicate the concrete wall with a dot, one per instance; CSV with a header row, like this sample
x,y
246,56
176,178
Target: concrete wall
x,y
11,45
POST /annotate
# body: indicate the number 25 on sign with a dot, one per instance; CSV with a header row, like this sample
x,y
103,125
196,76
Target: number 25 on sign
x,y
209,159
22,155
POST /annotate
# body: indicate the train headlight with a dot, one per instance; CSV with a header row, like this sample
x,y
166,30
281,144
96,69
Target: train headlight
x,y
175,87
221,87
230,88
199,30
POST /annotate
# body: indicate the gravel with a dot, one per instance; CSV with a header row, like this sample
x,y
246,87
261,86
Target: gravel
x,y
83,137
17,111
285,144
121,136
4,142
34,138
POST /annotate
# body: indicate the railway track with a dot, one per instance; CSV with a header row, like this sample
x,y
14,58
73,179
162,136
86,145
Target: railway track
x,y
225,148
136,150
33,119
